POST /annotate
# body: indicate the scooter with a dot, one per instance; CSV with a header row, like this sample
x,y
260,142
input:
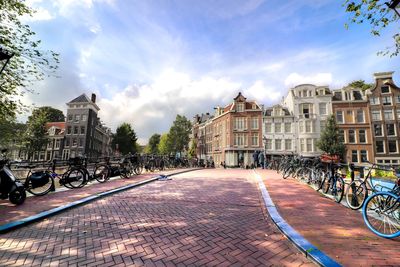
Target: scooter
x,y
9,186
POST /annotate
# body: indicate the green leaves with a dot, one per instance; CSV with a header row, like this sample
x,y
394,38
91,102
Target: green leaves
x,y
378,15
29,64
124,140
330,141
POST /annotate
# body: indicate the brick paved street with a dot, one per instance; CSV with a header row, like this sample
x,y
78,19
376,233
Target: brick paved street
x,y
202,218
336,230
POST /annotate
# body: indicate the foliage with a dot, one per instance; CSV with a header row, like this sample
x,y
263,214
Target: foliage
x,y
51,114
378,15
11,132
163,145
330,141
125,139
361,84
29,63
152,147
178,136
36,134
192,150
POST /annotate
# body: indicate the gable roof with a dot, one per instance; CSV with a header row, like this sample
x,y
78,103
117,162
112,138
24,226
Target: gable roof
x,y
58,124
83,98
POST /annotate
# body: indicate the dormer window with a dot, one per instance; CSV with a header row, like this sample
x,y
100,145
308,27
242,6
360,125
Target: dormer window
x,y
254,106
240,107
385,89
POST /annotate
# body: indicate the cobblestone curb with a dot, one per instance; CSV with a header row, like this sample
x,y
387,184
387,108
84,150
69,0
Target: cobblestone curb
x,y
306,247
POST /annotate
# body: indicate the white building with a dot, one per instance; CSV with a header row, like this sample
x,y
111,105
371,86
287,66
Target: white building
x,y
310,105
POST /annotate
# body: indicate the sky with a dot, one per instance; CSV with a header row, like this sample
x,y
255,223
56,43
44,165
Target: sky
x,y
149,60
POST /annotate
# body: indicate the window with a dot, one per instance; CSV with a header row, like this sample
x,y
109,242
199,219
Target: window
x,y
398,99
361,136
74,142
376,115
309,145
288,127
386,100
240,107
83,117
302,148
354,156
322,125
239,123
70,117
301,127
254,123
378,130
388,114
385,89
67,142
81,142
288,144
306,109
278,127
278,144
82,129
69,128
398,114
254,139
322,109
50,144
390,129
357,95
239,140
374,101
379,147
268,144
76,129
341,135
308,126
58,142
339,116
268,127
364,155
352,137
392,144
360,115
77,117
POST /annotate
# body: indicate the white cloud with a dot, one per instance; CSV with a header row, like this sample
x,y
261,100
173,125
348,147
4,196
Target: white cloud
x,y
260,92
40,14
318,79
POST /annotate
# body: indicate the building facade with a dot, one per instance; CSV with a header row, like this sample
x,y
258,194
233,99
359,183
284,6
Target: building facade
x,y
84,134
56,136
310,105
384,106
279,131
351,110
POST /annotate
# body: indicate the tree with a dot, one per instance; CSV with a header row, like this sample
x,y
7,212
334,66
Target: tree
x,y
51,114
125,139
152,147
378,15
179,134
193,148
36,134
11,132
331,142
361,84
29,63
163,146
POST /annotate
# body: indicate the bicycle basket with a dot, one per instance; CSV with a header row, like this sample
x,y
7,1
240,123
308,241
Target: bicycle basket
x,y
39,179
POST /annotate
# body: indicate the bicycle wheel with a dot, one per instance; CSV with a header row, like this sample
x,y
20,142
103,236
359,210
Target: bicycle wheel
x,y
101,173
45,185
381,213
326,184
76,178
338,189
138,168
286,173
356,194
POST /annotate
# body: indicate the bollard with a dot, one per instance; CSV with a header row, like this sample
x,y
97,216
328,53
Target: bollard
x,y
354,200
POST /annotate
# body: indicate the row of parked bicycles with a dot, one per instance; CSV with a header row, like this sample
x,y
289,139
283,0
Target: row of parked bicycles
x,y
379,199
43,177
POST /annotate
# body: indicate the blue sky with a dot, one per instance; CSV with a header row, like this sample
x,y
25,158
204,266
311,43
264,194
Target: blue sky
x,y
148,60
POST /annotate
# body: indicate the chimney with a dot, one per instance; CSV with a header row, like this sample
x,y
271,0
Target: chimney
x,y
93,98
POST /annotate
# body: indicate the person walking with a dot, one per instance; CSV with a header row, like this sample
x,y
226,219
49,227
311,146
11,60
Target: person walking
x,y
262,160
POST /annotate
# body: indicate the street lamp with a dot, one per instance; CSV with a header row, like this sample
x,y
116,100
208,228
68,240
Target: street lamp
x,y
393,5
4,57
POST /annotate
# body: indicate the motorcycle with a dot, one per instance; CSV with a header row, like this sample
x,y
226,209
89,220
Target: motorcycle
x,y
9,186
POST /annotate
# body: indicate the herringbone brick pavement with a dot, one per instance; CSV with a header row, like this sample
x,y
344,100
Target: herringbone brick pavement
x,y
204,218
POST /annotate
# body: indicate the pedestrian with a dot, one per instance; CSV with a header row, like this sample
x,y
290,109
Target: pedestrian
x,y
255,158
262,160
